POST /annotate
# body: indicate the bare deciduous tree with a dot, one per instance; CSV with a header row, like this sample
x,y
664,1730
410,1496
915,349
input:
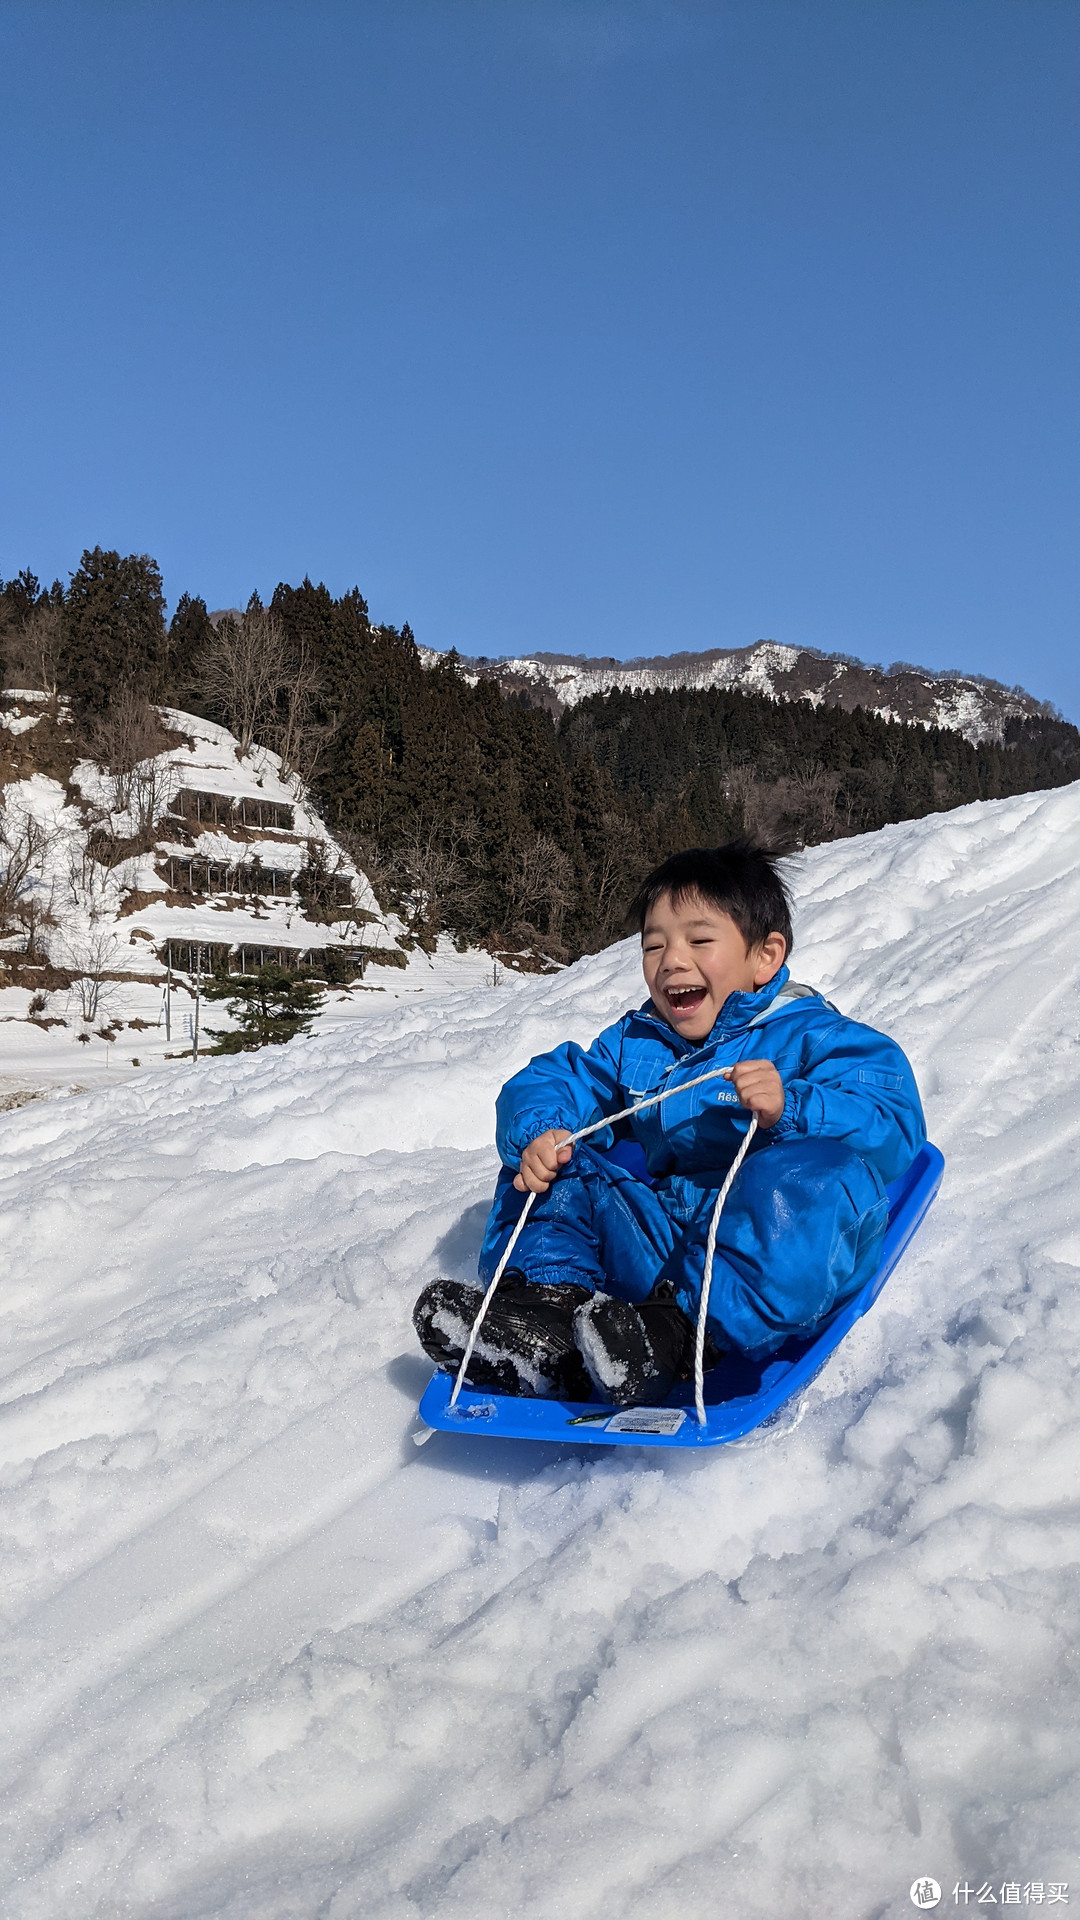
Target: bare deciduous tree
x,y
123,738
542,882
760,803
295,733
22,848
34,912
91,883
812,801
243,669
153,785
32,654
90,958
435,867
26,894
741,790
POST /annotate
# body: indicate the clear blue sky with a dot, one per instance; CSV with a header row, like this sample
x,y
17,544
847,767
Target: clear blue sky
x,y
612,328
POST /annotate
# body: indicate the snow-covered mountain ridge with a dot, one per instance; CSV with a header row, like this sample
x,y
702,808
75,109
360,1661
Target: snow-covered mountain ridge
x,y
263,1660
979,709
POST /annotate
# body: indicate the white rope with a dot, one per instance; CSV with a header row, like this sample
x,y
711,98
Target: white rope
x,y
651,1100
489,1297
706,1282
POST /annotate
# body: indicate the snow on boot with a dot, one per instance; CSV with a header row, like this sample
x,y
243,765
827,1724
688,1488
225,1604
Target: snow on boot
x,y
525,1346
633,1354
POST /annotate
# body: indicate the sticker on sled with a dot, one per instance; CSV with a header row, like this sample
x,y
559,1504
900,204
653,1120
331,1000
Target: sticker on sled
x,y
664,1420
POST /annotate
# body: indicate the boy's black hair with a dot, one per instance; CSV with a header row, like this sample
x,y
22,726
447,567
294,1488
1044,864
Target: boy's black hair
x,y
739,878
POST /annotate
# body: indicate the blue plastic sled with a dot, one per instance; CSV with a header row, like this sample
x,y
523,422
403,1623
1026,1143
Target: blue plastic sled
x,y
740,1394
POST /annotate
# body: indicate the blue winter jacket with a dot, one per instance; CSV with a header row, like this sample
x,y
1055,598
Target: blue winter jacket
x,y
843,1082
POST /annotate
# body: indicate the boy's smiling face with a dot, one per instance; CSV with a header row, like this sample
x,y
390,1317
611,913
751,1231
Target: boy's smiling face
x,y
693,956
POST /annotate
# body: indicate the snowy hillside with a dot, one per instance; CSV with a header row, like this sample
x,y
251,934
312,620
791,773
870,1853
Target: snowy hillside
x,y
201,855
264,1659
979,709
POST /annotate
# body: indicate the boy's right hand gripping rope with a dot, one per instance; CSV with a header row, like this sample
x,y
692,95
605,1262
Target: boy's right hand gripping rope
x,y
652,1100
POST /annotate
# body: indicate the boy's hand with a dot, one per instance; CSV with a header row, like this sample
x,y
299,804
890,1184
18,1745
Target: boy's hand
x,y
759,1086
542,1160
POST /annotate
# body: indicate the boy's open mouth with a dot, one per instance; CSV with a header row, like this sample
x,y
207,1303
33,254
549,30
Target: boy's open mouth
x,y
684,999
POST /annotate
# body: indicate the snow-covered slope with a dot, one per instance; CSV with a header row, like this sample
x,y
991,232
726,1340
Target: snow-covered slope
x,y
229,835
979,709
263,1658
203,852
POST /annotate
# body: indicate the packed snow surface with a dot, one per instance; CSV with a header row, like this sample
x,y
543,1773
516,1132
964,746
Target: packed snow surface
x,y
265,1658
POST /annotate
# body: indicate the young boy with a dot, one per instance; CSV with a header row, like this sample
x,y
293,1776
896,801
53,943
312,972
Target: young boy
x,y
608,1270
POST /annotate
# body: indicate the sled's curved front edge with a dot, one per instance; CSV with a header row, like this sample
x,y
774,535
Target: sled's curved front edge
x,y
739,1395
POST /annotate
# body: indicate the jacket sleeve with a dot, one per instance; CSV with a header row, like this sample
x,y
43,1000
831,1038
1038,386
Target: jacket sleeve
x,y
569,1087
855,1085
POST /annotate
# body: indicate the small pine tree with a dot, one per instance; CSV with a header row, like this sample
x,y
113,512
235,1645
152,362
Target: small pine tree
x,y
270,1006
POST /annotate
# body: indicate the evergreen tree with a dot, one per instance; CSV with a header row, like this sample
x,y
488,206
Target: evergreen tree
x,y
18,598
114,629
190,630
270,1006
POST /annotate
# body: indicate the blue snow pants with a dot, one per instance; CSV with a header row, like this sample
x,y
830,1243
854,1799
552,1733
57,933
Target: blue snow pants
x,y
801,1232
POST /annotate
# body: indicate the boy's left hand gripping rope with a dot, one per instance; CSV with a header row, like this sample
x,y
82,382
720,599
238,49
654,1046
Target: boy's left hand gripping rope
x,y
652,1100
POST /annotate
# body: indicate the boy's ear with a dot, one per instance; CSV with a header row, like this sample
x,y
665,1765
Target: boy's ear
x,y
770,958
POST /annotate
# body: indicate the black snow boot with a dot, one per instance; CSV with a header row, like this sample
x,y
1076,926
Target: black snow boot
x,y
635,1355
525,1346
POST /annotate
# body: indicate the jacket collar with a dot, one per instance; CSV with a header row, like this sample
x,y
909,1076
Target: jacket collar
x,y
734,1017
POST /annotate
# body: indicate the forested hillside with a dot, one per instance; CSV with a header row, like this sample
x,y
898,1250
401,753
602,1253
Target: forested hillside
x,y
470,811
715,762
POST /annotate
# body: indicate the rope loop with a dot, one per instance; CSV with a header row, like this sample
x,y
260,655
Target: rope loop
x,y
706,1279
651,1100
